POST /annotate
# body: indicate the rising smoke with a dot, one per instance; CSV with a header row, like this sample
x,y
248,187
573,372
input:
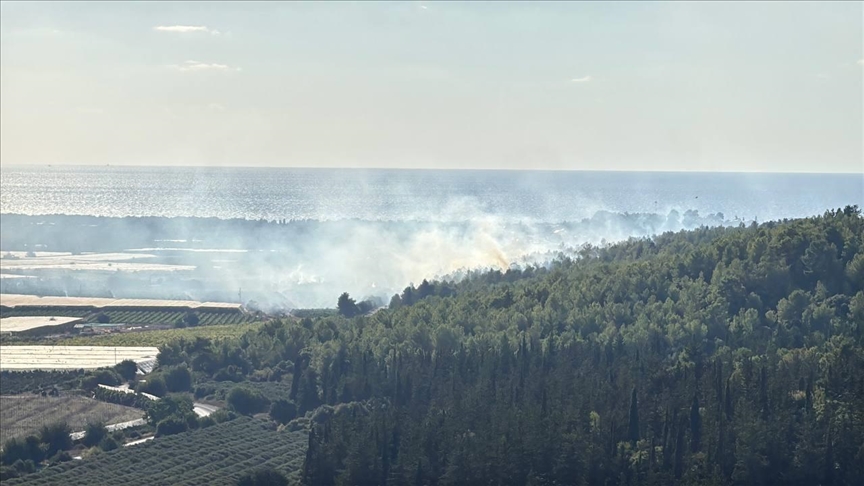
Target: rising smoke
x,y
278,265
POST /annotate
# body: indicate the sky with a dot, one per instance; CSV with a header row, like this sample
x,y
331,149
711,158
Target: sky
x,y
671,86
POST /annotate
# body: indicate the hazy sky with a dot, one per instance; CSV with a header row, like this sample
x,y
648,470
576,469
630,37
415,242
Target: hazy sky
x,y
773,86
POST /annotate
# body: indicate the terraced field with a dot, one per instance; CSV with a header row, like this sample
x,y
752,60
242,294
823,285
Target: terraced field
x,y
217,455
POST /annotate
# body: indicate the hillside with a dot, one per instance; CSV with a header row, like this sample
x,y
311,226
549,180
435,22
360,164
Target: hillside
x,y
713,356
216,455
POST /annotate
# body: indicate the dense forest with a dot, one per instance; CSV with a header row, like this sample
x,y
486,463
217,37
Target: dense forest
x,y
726,355
713,356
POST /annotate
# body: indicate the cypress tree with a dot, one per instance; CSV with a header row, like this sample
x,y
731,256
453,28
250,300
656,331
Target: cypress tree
x,y
695,426
633,430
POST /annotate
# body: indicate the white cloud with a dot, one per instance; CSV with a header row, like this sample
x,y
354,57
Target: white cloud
x,y
194,66
185,29
583,79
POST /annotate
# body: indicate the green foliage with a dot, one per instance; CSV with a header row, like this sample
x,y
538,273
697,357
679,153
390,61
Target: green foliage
x,y
347,306
215,455
102,376
55,437
263,477
37,381
714,356
21,450
109,444
170,426
127,369
180,406
121,398
191,319
103,318
94,433
247,401
154,385
283,411
178,378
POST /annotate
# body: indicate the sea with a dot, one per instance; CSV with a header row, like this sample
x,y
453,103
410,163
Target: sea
x,y
396,195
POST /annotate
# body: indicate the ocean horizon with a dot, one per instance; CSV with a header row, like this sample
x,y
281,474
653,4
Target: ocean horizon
x,y
409,194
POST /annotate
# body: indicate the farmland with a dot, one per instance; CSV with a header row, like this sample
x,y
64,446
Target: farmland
x,y
216,455
206,318
155,337
26,323
22,300
6,312
70,357
22,415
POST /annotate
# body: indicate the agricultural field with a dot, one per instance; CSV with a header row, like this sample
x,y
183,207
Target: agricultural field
x,y
19,300
6,312
26,323
156,337
206,317
22,415
217,455
18,382
70,357
103,262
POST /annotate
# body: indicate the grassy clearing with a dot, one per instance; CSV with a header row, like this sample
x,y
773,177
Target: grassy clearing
x,y
22,415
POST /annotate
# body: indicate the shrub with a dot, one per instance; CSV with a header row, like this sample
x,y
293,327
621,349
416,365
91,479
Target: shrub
x,y
246,401
155,385
8,472
61,456
231,373
24,467
283,411
109,444
170,426
202,391
173,405
222,415
205,422
103,376
263,477
178,379
103,318
191,319
56,436
26,449
127,369
94,433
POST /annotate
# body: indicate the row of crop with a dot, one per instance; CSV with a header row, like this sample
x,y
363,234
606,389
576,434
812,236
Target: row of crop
x,y
215,455
121,398
217,318
141,317
206,318
17,382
